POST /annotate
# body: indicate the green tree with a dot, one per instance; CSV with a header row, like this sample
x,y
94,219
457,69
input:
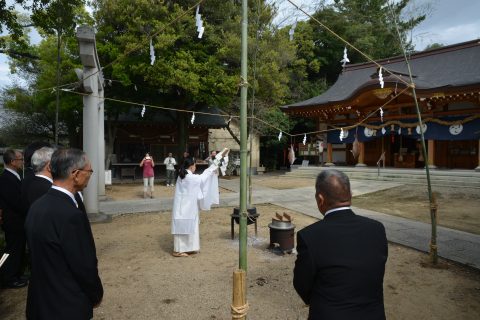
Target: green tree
x,y
11,25
367,25
51,16
434,45
39,104
188,72
30,98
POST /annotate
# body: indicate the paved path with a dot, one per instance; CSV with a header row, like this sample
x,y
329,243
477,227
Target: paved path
x,y
454,245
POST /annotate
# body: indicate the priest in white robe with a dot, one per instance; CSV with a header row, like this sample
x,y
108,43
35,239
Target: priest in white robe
x,y
191,192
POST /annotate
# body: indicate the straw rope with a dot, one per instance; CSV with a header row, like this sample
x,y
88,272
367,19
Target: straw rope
x,y
239,312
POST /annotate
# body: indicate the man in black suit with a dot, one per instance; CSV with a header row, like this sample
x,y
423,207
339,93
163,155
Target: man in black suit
x,y
13,220
341,259
28,154
65,283
35,186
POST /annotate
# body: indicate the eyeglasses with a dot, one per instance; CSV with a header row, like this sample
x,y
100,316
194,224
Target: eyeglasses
x,y
90,171
18,159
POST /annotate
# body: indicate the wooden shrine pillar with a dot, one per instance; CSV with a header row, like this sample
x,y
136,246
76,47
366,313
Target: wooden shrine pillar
x,y
431,154
329,155
361,156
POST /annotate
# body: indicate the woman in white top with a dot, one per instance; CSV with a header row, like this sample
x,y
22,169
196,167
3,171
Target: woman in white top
x,y
192,192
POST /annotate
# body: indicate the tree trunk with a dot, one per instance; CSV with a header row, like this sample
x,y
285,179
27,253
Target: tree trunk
x,y
74,139
182,134
57,89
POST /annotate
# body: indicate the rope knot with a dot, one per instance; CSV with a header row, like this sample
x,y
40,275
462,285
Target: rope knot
x,y
243,82
239,312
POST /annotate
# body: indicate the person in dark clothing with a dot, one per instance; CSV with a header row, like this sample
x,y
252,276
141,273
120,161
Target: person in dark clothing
x,y
79,199
65,283
33,187
341,259
13,217
27,155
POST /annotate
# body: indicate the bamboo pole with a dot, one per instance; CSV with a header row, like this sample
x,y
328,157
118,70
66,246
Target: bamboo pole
x,y
243,142
433,206
239,302
239,306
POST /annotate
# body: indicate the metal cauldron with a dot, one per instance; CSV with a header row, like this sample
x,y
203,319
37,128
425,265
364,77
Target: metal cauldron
x,y
283,234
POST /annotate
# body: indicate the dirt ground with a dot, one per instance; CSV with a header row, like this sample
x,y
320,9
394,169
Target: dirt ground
x,y
282,182
458,208
135,191
142,280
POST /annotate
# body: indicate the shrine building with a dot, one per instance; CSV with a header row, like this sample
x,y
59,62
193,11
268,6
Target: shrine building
x,y
447,85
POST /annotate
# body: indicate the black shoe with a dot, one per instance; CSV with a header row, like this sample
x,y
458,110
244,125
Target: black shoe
x,y
16,284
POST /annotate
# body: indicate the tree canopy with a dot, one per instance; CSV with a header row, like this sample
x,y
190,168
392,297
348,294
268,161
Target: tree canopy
x,y
188,72
368,25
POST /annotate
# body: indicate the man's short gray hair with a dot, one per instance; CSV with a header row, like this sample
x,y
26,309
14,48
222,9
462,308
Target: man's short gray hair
x,y
41,158
65,161
334,185
9,155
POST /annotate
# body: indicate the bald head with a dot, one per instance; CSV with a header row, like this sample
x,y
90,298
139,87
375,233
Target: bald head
x,y
334,187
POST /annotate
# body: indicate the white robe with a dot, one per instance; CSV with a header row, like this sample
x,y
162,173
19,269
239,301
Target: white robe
x,y
189,191
210,187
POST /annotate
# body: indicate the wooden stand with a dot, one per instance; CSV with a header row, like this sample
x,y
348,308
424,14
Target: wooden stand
x,y
239,299
252,217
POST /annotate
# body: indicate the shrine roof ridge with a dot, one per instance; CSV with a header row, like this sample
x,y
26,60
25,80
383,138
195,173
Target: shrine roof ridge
x,y
453,66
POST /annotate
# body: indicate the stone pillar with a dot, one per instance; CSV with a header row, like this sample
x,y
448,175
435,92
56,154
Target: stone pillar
x,y
329,155
478,153
431,154
92,86
361,156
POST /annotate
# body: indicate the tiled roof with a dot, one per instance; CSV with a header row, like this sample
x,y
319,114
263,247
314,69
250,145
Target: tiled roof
x,y
446,67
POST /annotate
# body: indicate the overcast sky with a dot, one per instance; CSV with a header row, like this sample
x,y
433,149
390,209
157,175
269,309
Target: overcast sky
x,y
448,22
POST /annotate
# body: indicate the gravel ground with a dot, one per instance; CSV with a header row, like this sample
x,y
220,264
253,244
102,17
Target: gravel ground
x,y
143,281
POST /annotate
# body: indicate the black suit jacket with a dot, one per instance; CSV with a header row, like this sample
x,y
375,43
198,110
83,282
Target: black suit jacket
x,y
340,267
64,283
80,203
33,188
13,215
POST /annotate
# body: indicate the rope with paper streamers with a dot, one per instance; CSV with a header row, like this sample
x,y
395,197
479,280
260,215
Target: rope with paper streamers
x,y
244,82
139,46
151,105
414,124
333,128
349,44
